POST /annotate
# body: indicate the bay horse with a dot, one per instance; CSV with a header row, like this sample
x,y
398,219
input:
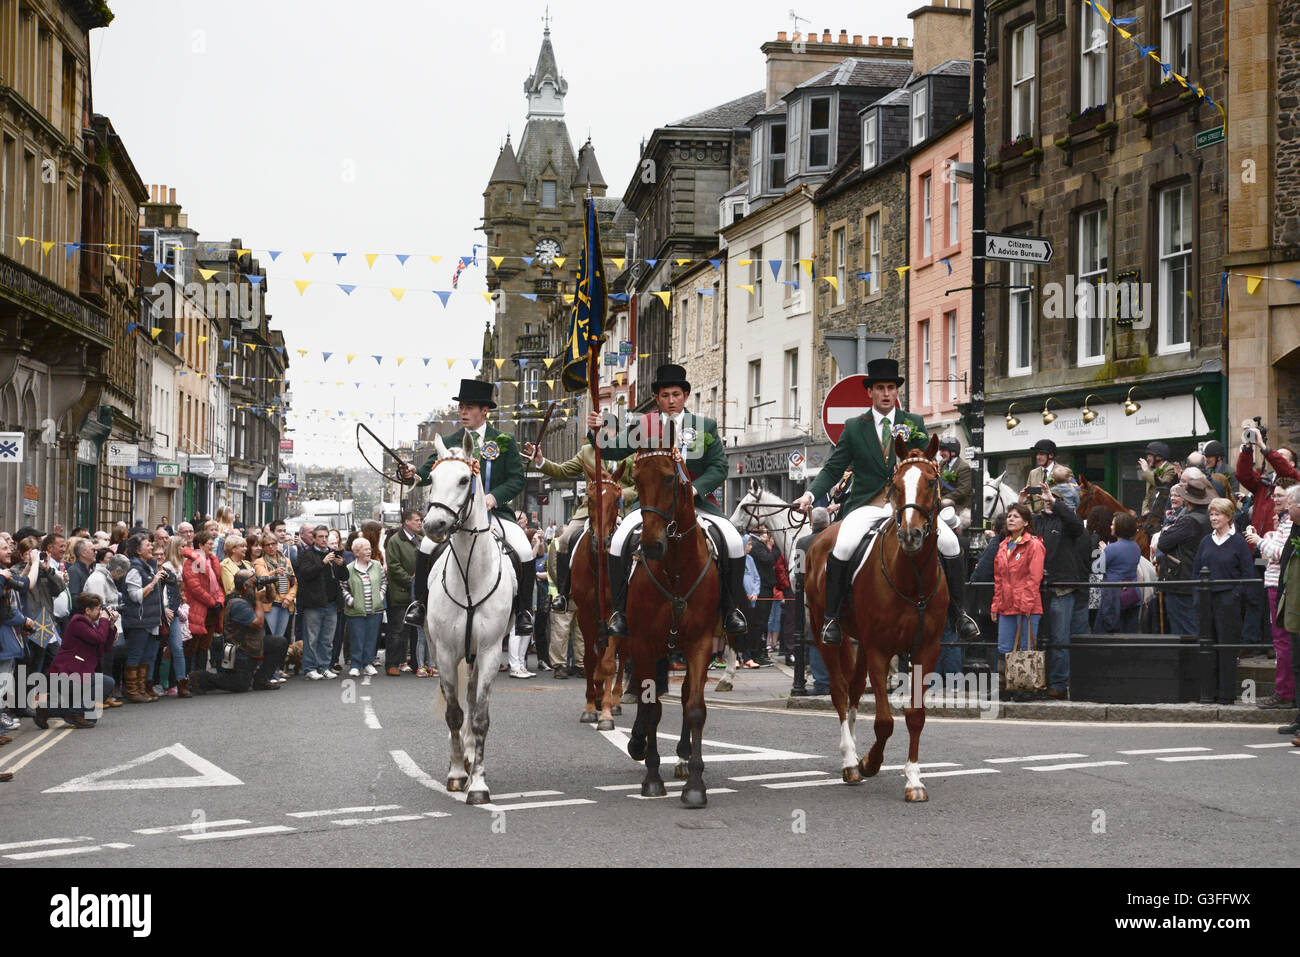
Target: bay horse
x,y
897,604
1091,495
471,591
603,663
673,593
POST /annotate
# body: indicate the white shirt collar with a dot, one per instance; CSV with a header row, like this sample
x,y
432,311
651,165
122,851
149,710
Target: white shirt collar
x,y
1219,539
876,417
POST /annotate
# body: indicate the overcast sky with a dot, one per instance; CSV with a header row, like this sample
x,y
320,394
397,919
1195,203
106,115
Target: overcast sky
x,y
335,126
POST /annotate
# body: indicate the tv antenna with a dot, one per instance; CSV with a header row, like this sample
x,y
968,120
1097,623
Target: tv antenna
x,y
796,20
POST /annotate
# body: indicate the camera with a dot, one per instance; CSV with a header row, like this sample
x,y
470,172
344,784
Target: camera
x,y
168,577
261,581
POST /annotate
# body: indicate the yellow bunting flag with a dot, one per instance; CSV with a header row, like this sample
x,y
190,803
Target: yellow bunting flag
x,y
306,257
568,299
450,362
835,283
154,332
548,362
302,285
118,256
1124,33
351,356
241,253
24,240
560,261
370,259
749,289
664,297
400,360
682,262
487,296
202,339
807,265
744,262
619,263
207,274
301,352
252,346
900,270
1252,283
496,261
436,259
499,362
46,247
397,293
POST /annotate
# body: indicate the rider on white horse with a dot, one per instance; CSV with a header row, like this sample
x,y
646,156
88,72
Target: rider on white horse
x,y
867,445
705,465
496,451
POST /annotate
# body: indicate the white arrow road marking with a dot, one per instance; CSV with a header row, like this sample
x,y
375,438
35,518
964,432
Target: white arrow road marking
x,y
209,775
43,842
619,737
193,826
239,832
343,810
67,851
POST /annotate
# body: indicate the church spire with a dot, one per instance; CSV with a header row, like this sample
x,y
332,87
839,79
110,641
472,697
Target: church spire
x,y
545,87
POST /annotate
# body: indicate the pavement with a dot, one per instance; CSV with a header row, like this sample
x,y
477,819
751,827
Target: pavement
x,y
351,773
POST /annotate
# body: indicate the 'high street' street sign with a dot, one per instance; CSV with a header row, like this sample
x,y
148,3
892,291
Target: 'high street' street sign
x,y
1017,249
1209,137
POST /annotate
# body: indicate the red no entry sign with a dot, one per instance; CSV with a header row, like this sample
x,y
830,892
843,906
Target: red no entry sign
x,y
847,399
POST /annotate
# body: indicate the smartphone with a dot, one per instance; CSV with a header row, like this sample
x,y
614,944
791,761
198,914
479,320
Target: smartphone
x,y
1034,490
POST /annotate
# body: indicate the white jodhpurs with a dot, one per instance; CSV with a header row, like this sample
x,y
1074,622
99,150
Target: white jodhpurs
x,y
735,544
514,537
862,520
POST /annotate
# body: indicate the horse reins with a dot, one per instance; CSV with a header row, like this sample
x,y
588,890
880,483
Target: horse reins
x,y
460,516
776,508
922,603
677,602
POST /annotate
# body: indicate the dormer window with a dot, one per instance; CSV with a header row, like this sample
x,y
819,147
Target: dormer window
x,y
819,132
870,140
919,118
776,157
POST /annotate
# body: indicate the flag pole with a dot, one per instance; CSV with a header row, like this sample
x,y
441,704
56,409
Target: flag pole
x,y
593,389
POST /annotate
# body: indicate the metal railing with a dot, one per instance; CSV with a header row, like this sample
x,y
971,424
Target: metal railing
x,y
1207,645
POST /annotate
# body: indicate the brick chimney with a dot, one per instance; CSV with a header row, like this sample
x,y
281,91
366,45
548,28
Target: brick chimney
x,y
942,31
794,58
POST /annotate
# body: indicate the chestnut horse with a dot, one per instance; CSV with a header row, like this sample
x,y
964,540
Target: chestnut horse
x,y
601,669
898,591
1091,495
672,594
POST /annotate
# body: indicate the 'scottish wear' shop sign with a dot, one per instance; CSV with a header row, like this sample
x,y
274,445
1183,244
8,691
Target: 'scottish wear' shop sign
x,y
1174,417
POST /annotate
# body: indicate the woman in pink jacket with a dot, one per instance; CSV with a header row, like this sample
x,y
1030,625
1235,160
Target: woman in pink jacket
x,y
1018,580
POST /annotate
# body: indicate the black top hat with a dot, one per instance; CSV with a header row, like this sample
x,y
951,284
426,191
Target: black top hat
x,y
882,370
670,375
475,391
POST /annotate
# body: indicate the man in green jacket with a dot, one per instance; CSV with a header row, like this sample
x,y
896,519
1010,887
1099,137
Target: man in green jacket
x,y
867,445
401,552
584,463
705,463
502,473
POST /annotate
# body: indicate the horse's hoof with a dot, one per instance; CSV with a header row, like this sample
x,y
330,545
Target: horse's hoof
x,y
852,776
617,711
694,799
682,771
868,767
588,717
605,724
653,789
456,785
723,684
478,797
629,697
636,749
916,795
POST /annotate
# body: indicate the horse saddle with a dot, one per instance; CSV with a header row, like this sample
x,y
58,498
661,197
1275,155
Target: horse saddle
x,y
863,549
712,536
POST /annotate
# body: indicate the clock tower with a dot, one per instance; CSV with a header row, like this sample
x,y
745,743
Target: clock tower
x,y
532,216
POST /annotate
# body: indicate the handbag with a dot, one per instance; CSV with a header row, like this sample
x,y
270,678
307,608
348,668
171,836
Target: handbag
x,y
1025,670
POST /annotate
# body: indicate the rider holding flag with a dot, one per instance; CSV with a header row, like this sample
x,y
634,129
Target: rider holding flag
x,y
502,473
867,445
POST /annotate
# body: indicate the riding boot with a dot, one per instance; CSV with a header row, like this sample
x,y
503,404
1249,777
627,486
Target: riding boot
x,y
561,600
731,580
618,574
419,590
954,569
526,572
837,580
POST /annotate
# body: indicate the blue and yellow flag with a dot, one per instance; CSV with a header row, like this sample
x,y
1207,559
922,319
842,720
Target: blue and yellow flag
x,y
587,322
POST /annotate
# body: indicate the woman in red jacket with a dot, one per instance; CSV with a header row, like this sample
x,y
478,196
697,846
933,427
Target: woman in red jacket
x,y
203,593
89,634
1018,580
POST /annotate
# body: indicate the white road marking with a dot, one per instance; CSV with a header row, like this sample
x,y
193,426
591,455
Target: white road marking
x,y
659,797
1284,744
37,739
241,832
821,782
619,737
391,819
1034,757
416,774
1164,750
45,841
534,804
777,774
209,775
372,719
343,810
1073,767
193,826
526,794
1209,757
66,851
37,752
950,774
637,787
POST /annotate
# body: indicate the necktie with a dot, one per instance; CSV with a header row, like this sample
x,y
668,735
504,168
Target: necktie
x,y
884,438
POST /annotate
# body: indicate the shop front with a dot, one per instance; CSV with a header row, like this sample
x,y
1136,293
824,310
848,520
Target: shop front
x,y
238,488
785,468
1107,448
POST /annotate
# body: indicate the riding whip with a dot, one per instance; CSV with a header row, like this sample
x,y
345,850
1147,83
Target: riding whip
x,y
397,459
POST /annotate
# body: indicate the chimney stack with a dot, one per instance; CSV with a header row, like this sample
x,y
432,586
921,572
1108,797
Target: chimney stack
x,y
871,41
939,33
172,196
857,39
886,41
844,36
780,36
826,35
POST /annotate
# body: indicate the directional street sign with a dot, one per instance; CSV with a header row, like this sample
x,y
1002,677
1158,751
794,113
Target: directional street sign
x,y
1017,249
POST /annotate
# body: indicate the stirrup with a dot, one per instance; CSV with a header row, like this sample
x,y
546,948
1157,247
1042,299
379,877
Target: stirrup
x,y
415,614
734,623
831,631
524,623
618,625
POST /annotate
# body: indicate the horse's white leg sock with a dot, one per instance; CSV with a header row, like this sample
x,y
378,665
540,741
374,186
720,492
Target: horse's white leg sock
x,y
859,523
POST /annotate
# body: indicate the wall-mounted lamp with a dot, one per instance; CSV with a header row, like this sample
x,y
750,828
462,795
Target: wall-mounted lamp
x,y
1012,421
1130,407
1089,416
1048,416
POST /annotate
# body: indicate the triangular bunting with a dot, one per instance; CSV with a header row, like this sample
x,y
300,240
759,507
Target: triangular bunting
x,y
530,296
561,260
306,257
748,289
496,261
664,297
302,285
444,296
346,288
500,363
275,254
1252,283
451,361
397,293
370,260
776,268
207,274
338,257
619,263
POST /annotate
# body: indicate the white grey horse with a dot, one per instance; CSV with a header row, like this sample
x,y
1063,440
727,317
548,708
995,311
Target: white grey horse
x,y
471,591
998,497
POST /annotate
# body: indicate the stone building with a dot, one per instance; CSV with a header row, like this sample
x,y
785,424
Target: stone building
x,y
1263,105
53,341
699,308
1091,147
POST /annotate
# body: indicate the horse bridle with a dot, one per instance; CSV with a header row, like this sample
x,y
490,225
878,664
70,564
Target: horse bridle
x,y
461,515
677,602
997,499
669,520
921,603
929,514
618,490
